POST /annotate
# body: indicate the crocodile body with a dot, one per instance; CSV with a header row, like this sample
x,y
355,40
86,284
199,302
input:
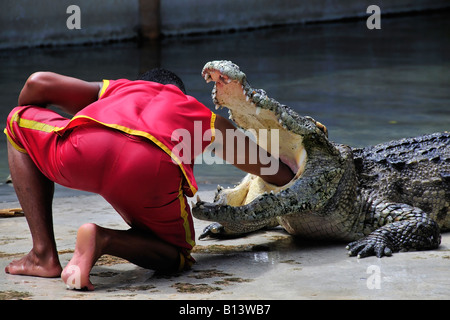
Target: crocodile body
x,y
384,198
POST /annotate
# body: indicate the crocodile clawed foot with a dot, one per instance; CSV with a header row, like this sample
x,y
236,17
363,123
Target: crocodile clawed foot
x,y
214,230
371,245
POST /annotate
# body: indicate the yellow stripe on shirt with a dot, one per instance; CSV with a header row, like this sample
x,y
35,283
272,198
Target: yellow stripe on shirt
x,y
104,87
184,216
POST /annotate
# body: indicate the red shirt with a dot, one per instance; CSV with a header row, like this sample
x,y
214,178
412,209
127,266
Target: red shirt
x,y
179,124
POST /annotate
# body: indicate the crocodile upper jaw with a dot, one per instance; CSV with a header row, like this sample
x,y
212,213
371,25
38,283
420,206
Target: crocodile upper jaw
x,y
252,110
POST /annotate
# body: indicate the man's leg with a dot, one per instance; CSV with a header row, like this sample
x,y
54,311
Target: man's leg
x,y
140,248
35,194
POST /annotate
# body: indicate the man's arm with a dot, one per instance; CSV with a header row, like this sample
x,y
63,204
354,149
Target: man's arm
x,y
241,159
69,94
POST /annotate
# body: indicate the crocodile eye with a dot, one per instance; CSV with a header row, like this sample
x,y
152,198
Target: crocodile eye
x,y
322,127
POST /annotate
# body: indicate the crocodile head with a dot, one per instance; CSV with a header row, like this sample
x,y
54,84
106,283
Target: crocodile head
x,y
303,145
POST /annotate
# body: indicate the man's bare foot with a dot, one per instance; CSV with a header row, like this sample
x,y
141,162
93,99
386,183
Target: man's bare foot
x,y
87,251
35,265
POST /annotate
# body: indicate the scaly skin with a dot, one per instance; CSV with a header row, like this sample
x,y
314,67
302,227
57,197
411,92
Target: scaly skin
x,y
385,198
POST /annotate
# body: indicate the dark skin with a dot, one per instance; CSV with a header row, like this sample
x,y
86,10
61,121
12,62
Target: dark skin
x,y
35,194
69,94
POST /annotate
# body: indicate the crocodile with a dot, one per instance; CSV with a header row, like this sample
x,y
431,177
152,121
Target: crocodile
x,y
380,199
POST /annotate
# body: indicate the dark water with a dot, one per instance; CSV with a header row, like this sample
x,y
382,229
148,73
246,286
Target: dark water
x,y
366,86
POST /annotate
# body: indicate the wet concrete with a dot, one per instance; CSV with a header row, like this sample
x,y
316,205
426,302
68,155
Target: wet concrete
x,y
267,265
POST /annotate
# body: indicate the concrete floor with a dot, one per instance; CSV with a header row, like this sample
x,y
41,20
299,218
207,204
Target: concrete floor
x,y
267,265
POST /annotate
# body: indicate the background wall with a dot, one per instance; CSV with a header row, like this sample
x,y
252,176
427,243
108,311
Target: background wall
x,y
43,22
177,17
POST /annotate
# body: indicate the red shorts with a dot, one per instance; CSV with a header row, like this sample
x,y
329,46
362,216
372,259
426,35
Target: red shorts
x,y
134,175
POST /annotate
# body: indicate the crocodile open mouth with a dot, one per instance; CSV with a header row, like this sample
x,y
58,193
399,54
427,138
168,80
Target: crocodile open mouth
x,y
301,143
252,110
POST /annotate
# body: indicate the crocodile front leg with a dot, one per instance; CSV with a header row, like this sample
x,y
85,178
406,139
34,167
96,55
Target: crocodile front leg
x,y
406,228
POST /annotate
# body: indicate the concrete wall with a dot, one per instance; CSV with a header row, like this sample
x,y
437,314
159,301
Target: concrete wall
x,y
43,22
217,15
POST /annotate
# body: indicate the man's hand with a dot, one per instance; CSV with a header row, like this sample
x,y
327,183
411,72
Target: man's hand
x,y
69,94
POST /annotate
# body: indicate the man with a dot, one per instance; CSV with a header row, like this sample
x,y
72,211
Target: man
x,y
118,144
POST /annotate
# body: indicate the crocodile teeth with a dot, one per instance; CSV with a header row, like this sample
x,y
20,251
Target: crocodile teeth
x,y
207,77
224,79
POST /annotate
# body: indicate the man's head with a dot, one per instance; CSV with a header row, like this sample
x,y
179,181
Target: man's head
x,y
163,76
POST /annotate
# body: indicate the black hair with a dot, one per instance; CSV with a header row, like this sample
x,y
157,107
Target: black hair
x,y
163,76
